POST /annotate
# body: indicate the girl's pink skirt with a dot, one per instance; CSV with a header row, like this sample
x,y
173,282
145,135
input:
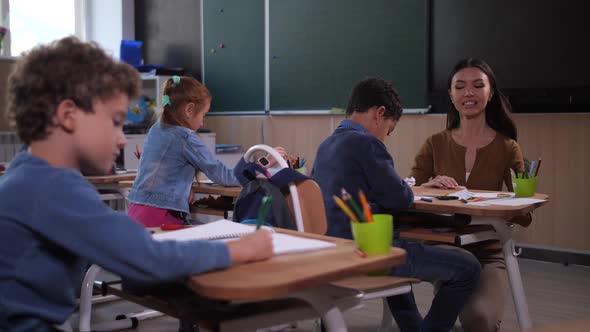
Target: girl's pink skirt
x,y
150,216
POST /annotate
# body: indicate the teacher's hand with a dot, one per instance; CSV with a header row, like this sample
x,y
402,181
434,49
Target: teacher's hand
x,y
442,181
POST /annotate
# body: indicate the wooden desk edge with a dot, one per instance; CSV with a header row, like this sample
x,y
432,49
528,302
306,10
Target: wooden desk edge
x,y
115,178
282,288
505,212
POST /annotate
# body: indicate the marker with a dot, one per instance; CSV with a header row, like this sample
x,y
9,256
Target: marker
x,y
426,199
263,210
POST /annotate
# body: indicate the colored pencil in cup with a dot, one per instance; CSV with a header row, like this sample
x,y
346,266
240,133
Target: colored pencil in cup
x,y
346,197
345,208
366,207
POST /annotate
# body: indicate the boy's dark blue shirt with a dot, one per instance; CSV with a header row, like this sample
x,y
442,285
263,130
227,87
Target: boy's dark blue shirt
x,y
353,159
53,223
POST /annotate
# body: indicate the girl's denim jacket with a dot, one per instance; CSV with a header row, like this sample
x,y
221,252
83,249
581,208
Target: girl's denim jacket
x,y
170,156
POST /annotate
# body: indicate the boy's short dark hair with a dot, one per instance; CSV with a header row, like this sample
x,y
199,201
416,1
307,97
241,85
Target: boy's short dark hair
x,y
64,69
375,92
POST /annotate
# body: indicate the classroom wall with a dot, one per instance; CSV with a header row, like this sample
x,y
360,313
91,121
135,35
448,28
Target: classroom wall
x,y
562,140
171,33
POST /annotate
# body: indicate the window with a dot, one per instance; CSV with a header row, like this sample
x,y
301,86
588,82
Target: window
x,y
31,22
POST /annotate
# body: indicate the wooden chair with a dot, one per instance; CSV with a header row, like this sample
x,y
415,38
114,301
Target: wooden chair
x,y
307,204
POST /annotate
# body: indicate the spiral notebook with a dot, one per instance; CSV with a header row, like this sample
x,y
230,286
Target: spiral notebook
x,y
226,229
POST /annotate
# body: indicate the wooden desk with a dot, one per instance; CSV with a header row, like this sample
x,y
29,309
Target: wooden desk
x,y
200,188
304,276
215,189
228,196
295,275
113,183
455,206
285,274
496,216
111,179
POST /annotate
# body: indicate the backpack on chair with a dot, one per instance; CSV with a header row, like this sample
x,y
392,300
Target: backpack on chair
x,y
256,184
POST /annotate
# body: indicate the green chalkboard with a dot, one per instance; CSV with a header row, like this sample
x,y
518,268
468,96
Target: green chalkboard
x,y
320,48
233,50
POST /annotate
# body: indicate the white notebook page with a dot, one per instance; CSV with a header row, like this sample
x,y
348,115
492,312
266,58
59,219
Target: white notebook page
x,y
226,229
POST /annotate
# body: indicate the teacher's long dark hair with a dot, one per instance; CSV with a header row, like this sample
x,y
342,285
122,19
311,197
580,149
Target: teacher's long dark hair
x,y
497,111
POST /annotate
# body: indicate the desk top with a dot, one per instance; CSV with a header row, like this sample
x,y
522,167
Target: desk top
x,y
115,178
284,274
455,206
215,189
202,188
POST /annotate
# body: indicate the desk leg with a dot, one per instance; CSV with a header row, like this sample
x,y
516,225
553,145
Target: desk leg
x,y
504,231
124,192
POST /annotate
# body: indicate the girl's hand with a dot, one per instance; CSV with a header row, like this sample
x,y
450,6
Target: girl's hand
x,y
441,181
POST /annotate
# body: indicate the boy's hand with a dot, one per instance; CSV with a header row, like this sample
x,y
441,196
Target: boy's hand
x,y
252,247
441,181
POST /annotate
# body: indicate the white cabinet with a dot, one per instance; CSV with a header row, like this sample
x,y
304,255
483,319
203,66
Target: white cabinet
x,y
152,87
130,161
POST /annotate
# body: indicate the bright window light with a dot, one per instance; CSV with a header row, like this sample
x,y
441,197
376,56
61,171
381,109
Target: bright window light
x,y
39,21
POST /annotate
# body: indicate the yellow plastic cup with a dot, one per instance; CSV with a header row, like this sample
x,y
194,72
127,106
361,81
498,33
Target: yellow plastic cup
x,y
524,187
375,237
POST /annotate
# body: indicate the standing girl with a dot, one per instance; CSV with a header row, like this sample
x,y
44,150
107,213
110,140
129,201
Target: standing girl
x,y
172,154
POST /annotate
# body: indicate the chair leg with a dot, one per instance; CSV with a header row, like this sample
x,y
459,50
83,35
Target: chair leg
x,y
386,319
86,298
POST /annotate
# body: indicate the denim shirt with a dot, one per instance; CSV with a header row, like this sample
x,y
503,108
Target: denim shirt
x,y
353,159
53,223
170,156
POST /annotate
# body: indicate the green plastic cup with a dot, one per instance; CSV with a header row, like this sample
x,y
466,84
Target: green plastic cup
x,y
375,237
302,170
524,187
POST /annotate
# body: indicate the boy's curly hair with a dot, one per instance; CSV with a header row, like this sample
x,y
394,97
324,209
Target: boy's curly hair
x,y
64,69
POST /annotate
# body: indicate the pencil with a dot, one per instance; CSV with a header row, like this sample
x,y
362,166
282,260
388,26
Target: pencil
x,y
347,198
538,166
345,209
366,207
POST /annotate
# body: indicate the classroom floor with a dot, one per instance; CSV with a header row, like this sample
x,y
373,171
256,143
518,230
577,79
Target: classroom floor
x,y
555,293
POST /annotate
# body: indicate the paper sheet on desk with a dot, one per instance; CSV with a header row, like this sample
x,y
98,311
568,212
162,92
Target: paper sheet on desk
x,y
509,202
466,194
289,244
516,201
224,229
492,195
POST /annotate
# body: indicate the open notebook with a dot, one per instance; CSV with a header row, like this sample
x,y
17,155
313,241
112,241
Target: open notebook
x,y
226,229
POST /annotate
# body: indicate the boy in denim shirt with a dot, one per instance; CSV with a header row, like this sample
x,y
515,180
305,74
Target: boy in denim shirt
x,y
69,101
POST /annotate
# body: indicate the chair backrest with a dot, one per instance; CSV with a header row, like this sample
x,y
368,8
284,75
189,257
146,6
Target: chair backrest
x,y
292,187
312,207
